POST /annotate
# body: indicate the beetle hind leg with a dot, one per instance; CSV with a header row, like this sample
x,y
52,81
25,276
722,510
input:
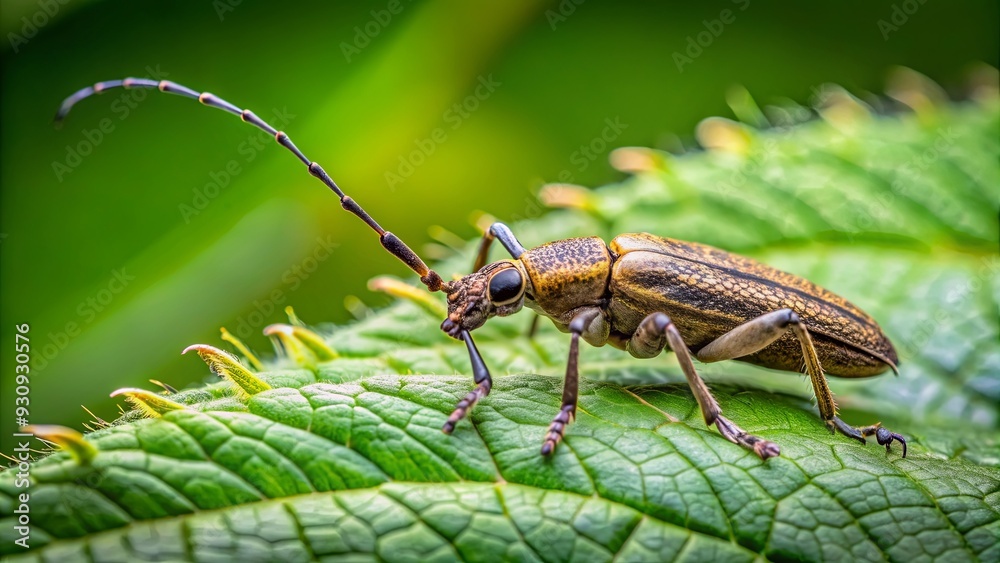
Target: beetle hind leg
x,y
656,332
883,435
757,334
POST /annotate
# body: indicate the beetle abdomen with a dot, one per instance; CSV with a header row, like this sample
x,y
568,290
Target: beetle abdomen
x,y
707,292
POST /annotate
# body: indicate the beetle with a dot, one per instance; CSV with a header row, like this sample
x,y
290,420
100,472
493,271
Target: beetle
x,y
640,293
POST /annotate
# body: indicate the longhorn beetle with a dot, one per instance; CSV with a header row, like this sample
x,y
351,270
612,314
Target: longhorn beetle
x,y
640,293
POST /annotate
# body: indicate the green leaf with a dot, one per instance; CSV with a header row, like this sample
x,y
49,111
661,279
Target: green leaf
x,y
345,456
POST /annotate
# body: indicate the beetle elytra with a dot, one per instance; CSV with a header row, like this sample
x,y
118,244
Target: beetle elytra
x,y
640,293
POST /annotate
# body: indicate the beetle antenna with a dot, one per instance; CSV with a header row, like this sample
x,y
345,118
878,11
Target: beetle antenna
x,y
389,241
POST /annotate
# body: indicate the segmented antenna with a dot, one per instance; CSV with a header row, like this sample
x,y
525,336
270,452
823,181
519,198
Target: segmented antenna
x,y
389,241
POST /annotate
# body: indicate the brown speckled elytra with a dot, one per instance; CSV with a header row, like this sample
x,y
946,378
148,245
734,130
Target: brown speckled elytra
x,y
640,293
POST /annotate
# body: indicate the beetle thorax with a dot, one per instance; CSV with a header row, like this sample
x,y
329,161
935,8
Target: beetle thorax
x,y
568,274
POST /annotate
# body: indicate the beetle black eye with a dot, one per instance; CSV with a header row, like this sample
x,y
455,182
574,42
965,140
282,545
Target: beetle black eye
x,y
505,286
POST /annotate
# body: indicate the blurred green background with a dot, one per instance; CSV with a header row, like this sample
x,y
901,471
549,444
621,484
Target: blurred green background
x,y
120,257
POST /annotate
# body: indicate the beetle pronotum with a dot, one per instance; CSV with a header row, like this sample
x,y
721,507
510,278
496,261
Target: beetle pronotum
x,y
640,293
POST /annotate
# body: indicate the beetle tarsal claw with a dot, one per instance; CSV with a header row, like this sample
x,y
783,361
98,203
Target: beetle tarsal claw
x,y
882,435
737,435
765,449
558,428
464,406
885,438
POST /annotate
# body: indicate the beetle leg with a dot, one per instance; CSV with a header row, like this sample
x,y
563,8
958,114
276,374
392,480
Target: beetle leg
x,y
657,331
756,334
571,385
883,436
533,327
507,239
481,375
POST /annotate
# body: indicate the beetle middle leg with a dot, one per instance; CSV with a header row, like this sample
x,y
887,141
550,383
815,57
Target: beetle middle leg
x,y
756,334
589,323
656,332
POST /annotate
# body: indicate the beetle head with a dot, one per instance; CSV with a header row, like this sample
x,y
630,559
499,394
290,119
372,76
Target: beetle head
x,y
495,290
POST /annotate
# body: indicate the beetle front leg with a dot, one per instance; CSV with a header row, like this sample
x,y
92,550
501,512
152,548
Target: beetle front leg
x,y
657,331
756,334
497,231
481,375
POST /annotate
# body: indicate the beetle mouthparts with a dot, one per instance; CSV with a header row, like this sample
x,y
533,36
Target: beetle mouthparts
x,y
452,328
